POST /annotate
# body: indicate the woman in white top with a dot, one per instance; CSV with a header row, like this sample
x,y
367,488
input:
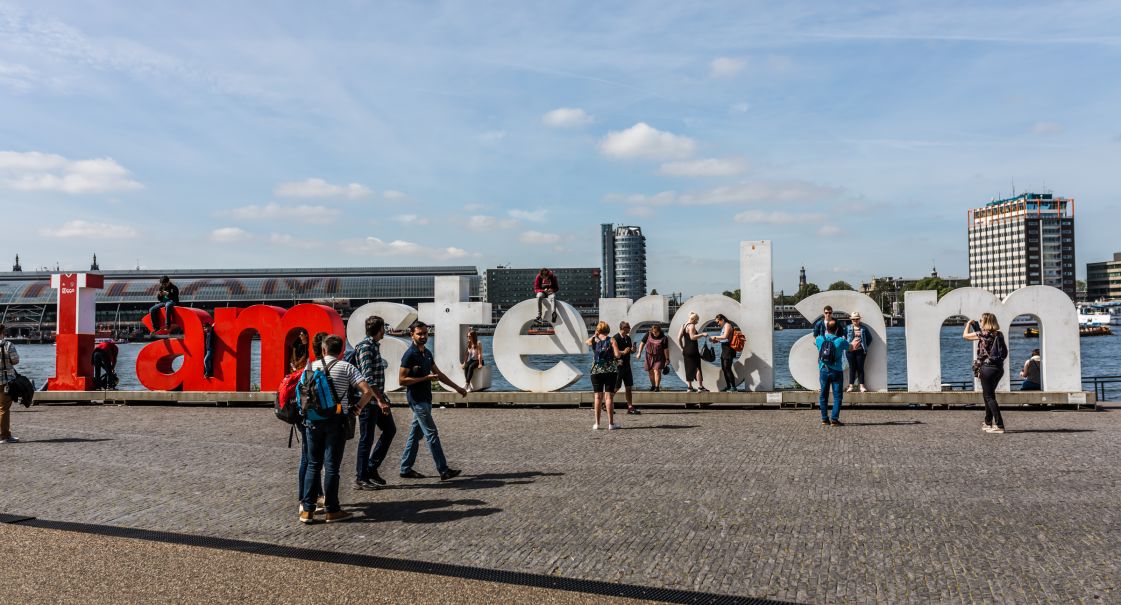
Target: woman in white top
x,y
472,356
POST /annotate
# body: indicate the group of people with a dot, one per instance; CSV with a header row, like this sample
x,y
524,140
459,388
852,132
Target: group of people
x,y
355,385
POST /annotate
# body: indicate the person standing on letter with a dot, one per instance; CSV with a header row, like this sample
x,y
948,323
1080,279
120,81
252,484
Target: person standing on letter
x,y
858,335
418,370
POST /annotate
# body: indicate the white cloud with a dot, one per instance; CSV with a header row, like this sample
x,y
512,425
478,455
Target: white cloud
x,y
377,247
320,188
567,117
705,167
829,230
482,222
411,219
37,171
725,67
644,141
664,198
1046,128
740,107
320,215
229,235
391,194
640,211
285,240
86,229
777,217
534,216
475,207
751,192
539,238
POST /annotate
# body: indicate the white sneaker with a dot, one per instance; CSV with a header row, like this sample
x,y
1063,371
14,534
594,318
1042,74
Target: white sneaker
x,y
849,390
997,429
12,439
612,427
595,427
863,389
986,427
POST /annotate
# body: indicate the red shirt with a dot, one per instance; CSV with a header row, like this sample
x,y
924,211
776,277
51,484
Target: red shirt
x,y
109,349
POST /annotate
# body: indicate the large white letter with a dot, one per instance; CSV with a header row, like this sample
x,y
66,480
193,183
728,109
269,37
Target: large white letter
x,y
1058,322
653,308
511,343
452,313
803,355
397,317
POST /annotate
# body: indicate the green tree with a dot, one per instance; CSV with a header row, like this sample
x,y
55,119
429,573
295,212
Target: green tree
x,y
840,285
807,291
654,292
734,295
930,283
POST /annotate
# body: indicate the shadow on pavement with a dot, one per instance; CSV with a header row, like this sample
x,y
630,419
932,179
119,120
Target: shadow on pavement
x,y
663,426
423,511
483,481
888,423
66,440
1049,431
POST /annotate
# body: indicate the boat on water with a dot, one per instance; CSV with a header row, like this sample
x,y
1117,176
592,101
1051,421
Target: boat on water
x,y
1087,330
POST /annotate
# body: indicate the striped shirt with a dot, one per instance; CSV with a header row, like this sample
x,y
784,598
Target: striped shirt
x,y
9,357
343,377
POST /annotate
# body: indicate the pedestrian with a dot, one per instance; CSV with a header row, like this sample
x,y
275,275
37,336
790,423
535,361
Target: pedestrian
x,y
326,439
105,364
605,373
988,365
831,347
317,348
655,344
208,350
418,372
546,286
859,338
472,358
9,357
727,353
826,316
1031,373
625,345
691,353
298,357
167,297
379,416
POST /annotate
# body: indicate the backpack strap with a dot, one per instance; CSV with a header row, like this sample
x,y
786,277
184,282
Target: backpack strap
x,y
330,383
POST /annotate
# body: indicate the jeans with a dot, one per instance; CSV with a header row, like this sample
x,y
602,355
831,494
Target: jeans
x,y
469,370
830,378
301,434
369,461
324,441
101,368
541,296
154,312
727,357
990,377
1030,385
423,424
856,366
208,364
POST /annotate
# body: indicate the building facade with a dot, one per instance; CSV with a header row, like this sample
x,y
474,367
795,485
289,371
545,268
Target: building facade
x,y
1022,241
624,262
1103,280
507,287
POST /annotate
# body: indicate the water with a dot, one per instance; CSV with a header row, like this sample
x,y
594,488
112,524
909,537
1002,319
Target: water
x,y
1100,356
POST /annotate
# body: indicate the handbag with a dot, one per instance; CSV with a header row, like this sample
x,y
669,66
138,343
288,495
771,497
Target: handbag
x,y
20,388
351,423
708,353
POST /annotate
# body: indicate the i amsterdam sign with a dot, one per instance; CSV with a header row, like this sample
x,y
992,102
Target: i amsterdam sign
x,y
451,312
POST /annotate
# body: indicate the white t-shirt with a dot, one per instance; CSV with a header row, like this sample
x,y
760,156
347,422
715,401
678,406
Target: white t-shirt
x,y
343,376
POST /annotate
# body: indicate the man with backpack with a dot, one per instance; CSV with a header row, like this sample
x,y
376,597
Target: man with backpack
x,y
418,371
372,366
323,394
831,349
9,357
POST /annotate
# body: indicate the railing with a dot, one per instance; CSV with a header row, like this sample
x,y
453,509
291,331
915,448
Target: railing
x,y
1103,387
1103,384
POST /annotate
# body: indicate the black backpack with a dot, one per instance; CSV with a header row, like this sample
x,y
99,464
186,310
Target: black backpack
x,y
827,354
20,388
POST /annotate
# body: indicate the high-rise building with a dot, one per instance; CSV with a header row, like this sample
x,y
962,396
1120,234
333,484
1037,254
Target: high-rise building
x,y
506,287
624,261
1022,241
1103,280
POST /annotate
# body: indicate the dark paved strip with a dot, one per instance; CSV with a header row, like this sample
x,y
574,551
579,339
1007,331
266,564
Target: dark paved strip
x,y
592,587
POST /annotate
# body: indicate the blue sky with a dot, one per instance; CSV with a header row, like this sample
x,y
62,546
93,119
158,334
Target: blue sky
x,y
855,135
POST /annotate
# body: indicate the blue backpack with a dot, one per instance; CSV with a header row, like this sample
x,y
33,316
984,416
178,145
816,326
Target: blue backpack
x,y
316,394
827,354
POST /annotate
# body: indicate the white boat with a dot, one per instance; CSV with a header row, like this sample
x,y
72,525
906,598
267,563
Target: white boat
x,y
1024,321
1089,316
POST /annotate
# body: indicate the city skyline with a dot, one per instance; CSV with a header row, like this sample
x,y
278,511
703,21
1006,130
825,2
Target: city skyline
x,y
856,138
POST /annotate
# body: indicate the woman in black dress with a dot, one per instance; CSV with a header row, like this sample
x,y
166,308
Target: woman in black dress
x,y
691,353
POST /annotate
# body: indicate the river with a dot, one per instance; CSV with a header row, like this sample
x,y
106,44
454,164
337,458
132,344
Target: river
x,y
1101,356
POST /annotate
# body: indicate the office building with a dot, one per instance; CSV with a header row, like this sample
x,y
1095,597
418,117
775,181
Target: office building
x,y
507,287
1103,280
624,262
1022,241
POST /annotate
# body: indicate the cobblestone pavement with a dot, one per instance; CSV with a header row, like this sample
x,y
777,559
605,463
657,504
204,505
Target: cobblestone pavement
x,y
898,506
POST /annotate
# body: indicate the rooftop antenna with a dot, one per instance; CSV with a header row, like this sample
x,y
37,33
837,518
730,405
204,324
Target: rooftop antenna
x,y
1013,186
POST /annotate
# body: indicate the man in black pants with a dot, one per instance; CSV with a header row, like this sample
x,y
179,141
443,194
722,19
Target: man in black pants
x,y
167,297
372,366
727,353
626,378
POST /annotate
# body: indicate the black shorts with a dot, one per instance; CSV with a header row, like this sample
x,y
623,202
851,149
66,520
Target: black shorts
x,y
626,378
604,383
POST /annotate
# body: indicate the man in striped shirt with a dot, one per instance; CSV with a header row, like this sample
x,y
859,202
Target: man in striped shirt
x,y
372,367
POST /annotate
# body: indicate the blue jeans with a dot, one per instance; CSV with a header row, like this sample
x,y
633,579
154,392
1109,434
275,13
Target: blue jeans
x,y
301,432
829,378
324,442
154,312
373,417
423,424
1029,385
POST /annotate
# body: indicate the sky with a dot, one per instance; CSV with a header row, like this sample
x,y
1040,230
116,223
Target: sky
x,y
853,135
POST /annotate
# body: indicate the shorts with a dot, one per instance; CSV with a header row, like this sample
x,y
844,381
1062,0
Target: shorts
x,y
626,378
604,383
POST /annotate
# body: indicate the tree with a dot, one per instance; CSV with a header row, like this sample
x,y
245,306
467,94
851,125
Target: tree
x,y
654,292
734,295
807,291
841,285
930,283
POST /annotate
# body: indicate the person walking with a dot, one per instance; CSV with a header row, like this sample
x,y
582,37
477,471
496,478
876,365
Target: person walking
x,y
988,366
105,364
167,297
831,348
546,286
605,373
418,371
820,325
379,416
655,344
625,346
472,358
1032,373
727,353
691,353
9,357
326,439
859,337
